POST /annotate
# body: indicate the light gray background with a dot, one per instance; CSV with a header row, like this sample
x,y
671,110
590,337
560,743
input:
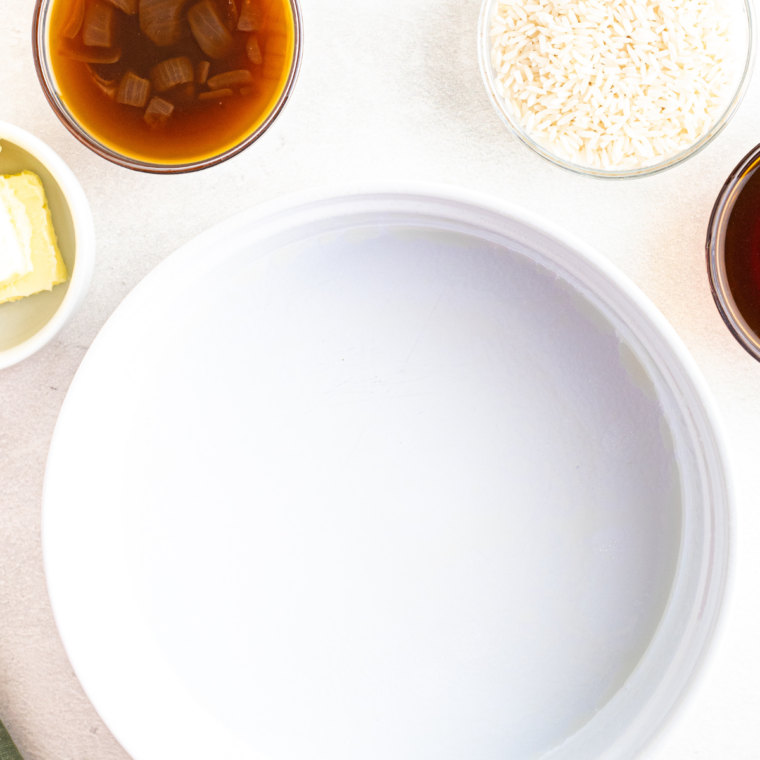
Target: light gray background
x,y
388,90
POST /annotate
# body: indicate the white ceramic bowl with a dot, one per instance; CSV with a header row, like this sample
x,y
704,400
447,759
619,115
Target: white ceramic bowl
x,y
387,472
742,15
31,323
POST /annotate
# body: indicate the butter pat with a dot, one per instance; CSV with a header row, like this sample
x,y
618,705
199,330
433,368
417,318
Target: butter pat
x,y
48,268
15,236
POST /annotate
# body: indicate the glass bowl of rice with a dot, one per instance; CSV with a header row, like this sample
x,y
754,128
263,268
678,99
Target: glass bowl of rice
x,y
616,88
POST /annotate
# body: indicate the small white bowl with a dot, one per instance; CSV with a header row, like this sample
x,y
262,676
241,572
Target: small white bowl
x,y
30,323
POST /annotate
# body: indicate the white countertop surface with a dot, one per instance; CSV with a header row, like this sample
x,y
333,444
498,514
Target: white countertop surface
x,y
388,91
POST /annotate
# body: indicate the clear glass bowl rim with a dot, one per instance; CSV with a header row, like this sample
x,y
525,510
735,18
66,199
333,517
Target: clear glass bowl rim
x,y
715,254
486,71
44,74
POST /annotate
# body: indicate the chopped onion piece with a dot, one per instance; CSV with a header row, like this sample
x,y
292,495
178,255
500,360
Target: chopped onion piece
x,y
183,95
133,90
276,44
99,25
253,50
170,73
161,20
215,94
273,13
128,6
229,79
201,72
274,56
74,22
230,13
90,55
250,16
108,90
107,86
209,31
158,112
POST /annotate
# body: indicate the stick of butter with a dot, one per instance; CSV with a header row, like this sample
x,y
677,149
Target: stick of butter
x,y
48,268
15,237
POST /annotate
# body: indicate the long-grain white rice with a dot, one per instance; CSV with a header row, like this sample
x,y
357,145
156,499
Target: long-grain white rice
x,y
614,84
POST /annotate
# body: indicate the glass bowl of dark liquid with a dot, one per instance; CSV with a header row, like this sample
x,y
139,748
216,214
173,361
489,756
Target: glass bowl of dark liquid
x,y
733,252
167,86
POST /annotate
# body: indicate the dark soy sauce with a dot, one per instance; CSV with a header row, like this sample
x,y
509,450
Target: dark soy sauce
x,y
742,249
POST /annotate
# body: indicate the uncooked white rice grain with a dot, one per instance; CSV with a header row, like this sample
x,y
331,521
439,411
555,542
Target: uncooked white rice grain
x,y
617,84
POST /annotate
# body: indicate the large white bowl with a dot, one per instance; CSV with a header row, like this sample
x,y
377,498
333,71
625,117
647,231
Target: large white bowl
x,y
31,323
386,472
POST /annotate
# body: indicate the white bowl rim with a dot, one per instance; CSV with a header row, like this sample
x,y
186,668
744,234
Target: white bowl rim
x,y
84,237
313,198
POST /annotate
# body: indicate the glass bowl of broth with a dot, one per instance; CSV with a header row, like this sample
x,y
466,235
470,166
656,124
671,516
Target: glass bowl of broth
x,y
167,86
733,252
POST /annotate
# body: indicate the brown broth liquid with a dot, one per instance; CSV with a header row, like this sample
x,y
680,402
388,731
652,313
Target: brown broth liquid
x,y
197,128
742,249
